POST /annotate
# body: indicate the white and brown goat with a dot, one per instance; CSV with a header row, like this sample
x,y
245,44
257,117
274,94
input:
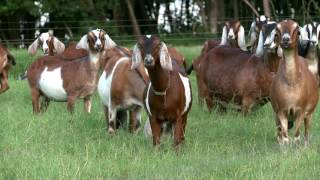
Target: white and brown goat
x,y
6,61
49,44
56,79
293,93
167,98
309,39
121,89
233,34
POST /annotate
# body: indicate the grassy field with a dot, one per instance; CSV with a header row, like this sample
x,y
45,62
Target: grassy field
x,y
58,145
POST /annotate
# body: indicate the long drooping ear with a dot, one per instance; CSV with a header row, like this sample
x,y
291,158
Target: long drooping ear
x,y
136,57
279,51
58,45
252,33
32,49
165,59
303,33
259,51
318,34
242,39
108,43
224,36
83,43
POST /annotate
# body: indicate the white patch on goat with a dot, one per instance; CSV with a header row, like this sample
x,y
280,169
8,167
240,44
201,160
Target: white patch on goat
x,y
270,40
51,84
97,34
147,100
313,67
259,51
105,84
148,36
187,91
44,37
94,57
231,33
286,35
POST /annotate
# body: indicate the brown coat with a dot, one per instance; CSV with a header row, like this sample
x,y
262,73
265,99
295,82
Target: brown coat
x,y
6,61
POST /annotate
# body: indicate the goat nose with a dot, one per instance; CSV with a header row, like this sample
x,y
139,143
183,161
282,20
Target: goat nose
x,y
148,60
286,39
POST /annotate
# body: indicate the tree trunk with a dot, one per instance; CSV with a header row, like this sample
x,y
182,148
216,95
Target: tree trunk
x,y
133,19
202,13
266,8
214,12
235,9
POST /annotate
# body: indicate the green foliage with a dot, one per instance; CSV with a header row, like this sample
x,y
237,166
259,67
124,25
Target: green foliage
x,y
58,145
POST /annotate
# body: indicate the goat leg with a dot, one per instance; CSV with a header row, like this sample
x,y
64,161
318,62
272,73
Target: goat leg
x,y
134,119
299,120
87,104
4,82
178,132
307,124
156,130
35,95
112,120
70,106
284,140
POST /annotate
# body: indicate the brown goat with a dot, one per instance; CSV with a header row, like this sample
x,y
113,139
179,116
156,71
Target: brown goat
x,y
195,66
6,61
294,93
167,98
56,79
121,88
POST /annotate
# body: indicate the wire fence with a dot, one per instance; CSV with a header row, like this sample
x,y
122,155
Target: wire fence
x,y
196,34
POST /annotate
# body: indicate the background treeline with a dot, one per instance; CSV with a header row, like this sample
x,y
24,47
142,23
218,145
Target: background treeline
x,y
180,20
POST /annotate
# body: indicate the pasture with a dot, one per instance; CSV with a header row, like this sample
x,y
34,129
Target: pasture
x,y
59,145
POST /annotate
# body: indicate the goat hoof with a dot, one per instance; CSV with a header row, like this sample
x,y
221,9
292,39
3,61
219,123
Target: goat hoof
x,y
111,131
283,140
297,140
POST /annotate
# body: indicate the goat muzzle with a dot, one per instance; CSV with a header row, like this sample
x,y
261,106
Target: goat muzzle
x,y
148,60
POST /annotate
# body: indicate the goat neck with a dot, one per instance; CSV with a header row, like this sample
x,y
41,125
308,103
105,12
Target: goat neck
x,y
290,64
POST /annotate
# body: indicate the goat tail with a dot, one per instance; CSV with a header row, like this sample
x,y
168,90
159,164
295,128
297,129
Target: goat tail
x,y
11,59
189,70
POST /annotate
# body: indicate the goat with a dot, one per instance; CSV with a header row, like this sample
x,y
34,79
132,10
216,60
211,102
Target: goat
x,y
56,79
255,28
231,75
121,88
308,46
167,98
49,44
233,34
293,93
270,52
208,45
6,61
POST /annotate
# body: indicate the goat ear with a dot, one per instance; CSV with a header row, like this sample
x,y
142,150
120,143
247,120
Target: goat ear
x,y
108,43
252,33
32,49
136,57
83,43
303,33
224,36
165,59
318,34
58,45
279,51
241,39
259,51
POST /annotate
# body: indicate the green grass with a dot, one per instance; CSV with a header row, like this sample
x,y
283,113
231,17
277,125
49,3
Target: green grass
x,y
58,145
